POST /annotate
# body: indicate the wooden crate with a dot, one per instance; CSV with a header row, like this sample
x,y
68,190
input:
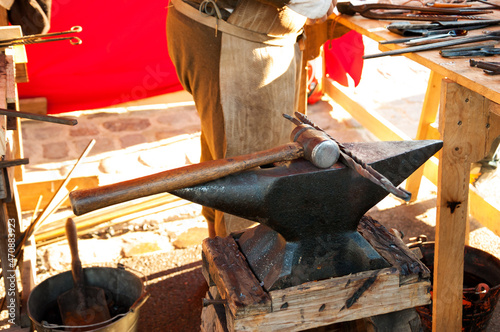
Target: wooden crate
x,y
237,302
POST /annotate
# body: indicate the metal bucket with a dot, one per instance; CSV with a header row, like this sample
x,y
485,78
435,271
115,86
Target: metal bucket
x,y
481,287
125,294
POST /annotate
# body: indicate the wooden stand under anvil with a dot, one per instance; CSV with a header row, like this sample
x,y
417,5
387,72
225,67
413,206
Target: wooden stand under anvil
x,y
236,300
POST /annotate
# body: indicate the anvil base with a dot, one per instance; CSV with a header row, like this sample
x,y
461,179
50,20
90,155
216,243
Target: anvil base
x,y
279,264
238,302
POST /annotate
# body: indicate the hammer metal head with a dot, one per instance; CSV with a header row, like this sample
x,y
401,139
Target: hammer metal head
x,y
305,210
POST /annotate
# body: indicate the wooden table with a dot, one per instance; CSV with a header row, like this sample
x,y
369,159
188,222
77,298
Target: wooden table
x,y
469,121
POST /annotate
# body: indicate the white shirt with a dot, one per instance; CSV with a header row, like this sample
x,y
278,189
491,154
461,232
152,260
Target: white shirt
x,y
313,9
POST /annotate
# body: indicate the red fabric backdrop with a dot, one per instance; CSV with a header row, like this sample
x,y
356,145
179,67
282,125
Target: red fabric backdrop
x,y
123,56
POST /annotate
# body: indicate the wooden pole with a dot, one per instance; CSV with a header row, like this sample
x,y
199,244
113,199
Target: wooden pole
x,y
463,121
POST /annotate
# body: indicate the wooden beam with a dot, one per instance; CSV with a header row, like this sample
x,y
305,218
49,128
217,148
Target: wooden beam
x,y
235,281
463,118
370,120
37,105
29,192
427,118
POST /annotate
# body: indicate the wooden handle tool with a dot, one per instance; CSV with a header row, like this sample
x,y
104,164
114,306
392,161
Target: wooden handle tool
x,y
87,200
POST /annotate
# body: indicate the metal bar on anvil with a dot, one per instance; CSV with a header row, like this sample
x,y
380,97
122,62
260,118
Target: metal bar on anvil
x,y
465,40
359,166
39,117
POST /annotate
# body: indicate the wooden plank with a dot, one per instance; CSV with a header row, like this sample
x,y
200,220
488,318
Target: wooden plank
x,y
331,301
462,118
235,281
115,215
29,192
427,118
393,250
369,119
213,317
11,92
3,103
486,213
37,105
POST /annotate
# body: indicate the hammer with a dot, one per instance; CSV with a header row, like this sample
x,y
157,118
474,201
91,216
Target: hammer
x,y
308,142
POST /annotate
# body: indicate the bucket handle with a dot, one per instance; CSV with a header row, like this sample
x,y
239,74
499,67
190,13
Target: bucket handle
x,y
140,301
125,267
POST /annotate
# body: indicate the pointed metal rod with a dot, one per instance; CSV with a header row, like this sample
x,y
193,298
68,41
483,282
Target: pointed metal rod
x,y
359,166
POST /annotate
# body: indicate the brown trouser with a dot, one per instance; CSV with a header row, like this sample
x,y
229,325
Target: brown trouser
x,y
240,89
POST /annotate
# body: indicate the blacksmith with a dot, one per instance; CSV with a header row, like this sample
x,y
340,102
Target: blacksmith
x,y
240,59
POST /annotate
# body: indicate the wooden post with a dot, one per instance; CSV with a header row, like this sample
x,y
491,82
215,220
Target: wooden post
x,y
427,117
463,121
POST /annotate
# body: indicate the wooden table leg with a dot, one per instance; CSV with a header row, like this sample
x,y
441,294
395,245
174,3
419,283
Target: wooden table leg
x,y
464,127
427,117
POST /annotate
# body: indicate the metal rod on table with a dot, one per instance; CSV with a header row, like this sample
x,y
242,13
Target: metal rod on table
x,y
459,41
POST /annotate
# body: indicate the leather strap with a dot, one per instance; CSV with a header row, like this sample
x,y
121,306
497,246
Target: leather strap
x,y
221,25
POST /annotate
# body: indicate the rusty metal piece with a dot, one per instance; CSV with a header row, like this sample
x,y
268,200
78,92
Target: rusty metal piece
x,y
309,216
350,160
207,302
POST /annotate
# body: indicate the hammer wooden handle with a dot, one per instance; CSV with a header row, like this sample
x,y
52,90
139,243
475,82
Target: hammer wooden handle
x,y
87,200
76,264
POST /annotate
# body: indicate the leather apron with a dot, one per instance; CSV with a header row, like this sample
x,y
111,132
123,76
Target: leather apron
x,y
259,76
258,84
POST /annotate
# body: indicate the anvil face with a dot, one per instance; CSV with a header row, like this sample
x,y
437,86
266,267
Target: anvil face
x,y
310,214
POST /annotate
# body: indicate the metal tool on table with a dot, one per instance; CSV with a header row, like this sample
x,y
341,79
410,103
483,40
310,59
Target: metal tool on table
x,y
384,11
481,50
44,38
422,29
489,67
431,34
436,38
420,48
485,2
82,305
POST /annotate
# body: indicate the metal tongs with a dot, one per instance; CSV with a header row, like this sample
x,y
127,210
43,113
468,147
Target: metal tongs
x,y
42,38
